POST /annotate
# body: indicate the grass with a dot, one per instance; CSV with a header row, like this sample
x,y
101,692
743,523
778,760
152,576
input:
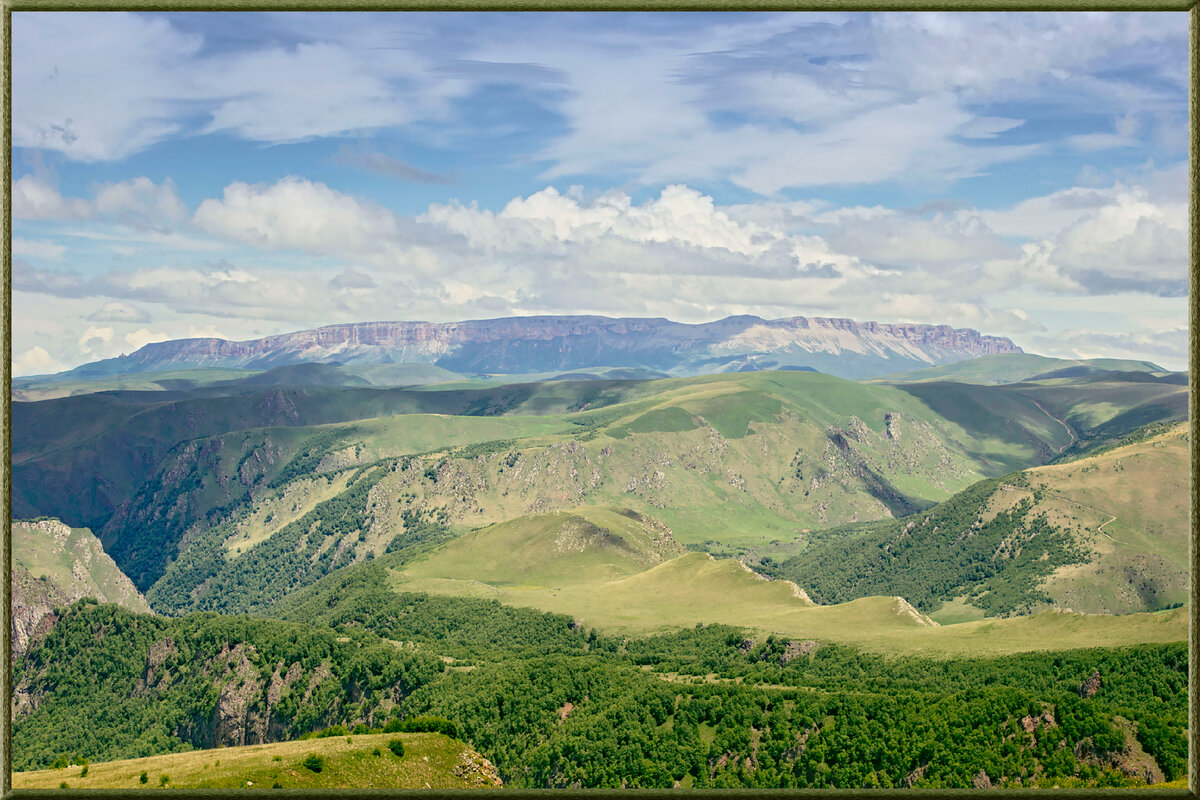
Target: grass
x,y
695,588
1138,495
554,549
429,762
1009,368
73,559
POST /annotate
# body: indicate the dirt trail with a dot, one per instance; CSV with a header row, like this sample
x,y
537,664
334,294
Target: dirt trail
x,y
1066,427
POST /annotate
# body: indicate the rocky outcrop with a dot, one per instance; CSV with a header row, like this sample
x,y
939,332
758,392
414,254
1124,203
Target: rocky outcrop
x,y
1092,685
477,770
53,566
545,343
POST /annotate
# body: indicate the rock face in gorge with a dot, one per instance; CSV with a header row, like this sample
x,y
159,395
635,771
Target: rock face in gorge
x,y
513,345
55,565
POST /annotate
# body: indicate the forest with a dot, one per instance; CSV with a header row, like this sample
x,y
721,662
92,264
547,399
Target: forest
x,y
555,705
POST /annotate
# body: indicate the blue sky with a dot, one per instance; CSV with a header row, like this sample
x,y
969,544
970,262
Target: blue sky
x,y
239,175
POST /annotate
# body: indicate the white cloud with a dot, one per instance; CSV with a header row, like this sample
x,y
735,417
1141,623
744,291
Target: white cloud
x,y
94,336
101,86
35,199
140,203
38,249
297,214
36,361
98,87
142,337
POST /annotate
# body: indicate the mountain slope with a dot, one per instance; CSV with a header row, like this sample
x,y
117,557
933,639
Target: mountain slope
x,y
1106,534
541,344
53,566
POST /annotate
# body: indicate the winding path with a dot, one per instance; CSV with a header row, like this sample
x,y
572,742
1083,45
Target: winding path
x,y
1066,427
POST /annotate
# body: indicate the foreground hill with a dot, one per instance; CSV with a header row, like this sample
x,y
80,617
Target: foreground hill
x,y
539,344
1106,534
53,566
429,761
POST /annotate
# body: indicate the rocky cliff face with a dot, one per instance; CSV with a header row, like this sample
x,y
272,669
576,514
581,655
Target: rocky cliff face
x,y
53,566
538,344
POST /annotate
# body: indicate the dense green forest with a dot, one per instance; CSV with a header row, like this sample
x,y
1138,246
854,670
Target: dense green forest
x,y
552,704
107,683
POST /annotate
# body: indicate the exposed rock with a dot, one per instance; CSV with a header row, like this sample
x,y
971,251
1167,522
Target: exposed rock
x,y
69,565
478,770
1091,685
981,781
746,646
796,649
537,344
911,778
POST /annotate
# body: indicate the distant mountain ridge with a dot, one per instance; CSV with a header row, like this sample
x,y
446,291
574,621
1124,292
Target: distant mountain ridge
x,y
510,345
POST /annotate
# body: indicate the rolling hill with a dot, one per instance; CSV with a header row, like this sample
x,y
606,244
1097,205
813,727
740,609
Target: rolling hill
x,y
606,582
1102,534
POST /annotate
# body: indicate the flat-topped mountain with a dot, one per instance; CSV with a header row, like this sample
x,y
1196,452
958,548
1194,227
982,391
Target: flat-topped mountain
x,y
516,345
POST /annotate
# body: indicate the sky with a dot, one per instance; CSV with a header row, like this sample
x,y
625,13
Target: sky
x,y
245,174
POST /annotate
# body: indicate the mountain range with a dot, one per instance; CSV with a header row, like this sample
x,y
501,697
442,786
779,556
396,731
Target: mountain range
x,y
517,345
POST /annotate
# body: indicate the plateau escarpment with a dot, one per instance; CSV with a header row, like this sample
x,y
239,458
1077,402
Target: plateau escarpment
x,y
519,345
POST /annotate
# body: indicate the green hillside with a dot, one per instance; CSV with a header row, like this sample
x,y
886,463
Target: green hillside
x,y
72,560
429,761
232,521
1012,368
1103,534
586,582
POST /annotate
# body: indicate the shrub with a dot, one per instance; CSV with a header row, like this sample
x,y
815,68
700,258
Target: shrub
x,y
376,752
63,785
422,725
360,728
396,746
314,763
333,730
143,778
83,772
60,763
163,780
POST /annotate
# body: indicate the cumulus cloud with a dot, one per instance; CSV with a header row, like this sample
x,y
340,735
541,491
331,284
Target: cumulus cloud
x,y
141,204
36,361
32,198
297,214
352,279
143,336
138,203
94,336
